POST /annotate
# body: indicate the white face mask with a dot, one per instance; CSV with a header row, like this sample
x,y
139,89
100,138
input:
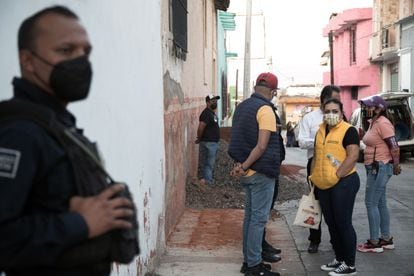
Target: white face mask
x,y
331,119
274,100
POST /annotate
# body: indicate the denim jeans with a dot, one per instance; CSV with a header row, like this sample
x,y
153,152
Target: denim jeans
x,y
376,200
290,141
208,152
259,194
275,194
337,204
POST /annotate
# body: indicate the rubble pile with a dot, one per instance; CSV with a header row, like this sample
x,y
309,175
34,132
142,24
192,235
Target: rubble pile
x,y
227,191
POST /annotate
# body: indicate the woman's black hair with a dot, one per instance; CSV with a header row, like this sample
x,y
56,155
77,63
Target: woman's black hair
x,y
385,114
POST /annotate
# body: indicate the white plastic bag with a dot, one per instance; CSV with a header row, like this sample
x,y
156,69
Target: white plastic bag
x,y
309,211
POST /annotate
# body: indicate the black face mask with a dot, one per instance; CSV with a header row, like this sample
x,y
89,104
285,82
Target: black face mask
x,y
367,113
213,106
70,79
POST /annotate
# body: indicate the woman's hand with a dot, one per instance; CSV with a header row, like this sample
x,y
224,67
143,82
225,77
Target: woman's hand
x,y
396,169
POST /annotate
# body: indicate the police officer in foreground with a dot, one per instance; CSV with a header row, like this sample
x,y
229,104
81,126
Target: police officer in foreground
x,y
53,220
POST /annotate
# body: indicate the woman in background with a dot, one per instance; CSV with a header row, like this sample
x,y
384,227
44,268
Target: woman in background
x,y
290,134
382,160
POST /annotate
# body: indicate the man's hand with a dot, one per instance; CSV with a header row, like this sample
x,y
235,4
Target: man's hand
x,y
103,213
238,170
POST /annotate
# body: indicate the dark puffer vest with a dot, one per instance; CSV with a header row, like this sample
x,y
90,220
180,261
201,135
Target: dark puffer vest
x,y
244,135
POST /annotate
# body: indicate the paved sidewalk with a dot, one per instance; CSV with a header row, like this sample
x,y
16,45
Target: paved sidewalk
x,y
208,242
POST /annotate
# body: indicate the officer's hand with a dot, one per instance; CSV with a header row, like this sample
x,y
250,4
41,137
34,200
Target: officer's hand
x,y
103,213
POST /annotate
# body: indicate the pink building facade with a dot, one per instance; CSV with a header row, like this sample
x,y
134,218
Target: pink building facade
x,y
352,70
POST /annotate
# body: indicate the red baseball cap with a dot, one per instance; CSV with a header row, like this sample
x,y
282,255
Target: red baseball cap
x,y
267,79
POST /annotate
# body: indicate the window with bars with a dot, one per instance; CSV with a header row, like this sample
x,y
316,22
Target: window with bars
x,y
179,27
352,45
385,38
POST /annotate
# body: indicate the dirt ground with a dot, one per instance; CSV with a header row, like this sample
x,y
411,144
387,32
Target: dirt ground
x,y
227,191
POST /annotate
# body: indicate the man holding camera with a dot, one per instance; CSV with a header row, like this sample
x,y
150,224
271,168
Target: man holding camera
x,y
57,214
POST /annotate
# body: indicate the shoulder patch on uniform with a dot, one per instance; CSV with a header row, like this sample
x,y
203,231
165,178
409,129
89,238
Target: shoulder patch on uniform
x,y
9,162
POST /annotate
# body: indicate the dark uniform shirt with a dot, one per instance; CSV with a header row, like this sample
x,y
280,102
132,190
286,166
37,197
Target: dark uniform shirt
x,y
212,130
36,183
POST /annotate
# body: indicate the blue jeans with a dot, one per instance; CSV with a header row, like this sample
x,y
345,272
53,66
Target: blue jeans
x,y
337,204
376,200
259,194
290,141
208,152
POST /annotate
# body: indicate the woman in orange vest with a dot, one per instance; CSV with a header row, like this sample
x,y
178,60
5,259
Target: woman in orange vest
x,y
333,172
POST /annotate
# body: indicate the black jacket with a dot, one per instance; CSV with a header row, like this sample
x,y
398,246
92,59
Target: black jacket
x,y
36,183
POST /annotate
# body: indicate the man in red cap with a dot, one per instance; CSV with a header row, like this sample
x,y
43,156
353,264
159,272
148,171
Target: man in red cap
x,y
255,148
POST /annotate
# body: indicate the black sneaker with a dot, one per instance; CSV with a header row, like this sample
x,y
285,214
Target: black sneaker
x,y
270,257
243,269
260,270
268,247
313,248
343,269
331,266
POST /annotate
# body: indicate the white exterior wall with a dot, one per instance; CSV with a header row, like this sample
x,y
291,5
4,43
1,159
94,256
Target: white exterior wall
x,y
124,111
186,84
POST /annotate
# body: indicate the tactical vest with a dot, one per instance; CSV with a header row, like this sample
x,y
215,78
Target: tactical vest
x,y
90,179
324,172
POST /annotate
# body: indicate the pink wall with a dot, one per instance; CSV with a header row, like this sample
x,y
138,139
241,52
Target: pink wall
x,y
361,73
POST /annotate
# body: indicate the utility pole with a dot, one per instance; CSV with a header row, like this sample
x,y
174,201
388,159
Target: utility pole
x,y
331,54
237,88
246,75
270,64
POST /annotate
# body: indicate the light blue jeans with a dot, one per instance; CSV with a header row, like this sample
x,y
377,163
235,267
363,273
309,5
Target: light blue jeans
x,y
376,200
208,152
259,194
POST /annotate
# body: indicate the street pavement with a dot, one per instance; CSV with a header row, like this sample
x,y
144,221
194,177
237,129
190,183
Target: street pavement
x,y
208,242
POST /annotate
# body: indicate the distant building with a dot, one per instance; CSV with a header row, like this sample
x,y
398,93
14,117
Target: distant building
x,y
297,100
392,44
352,70
407,53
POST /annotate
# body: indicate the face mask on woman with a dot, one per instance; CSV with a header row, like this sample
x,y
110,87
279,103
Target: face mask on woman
x,y
368,113
331,119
